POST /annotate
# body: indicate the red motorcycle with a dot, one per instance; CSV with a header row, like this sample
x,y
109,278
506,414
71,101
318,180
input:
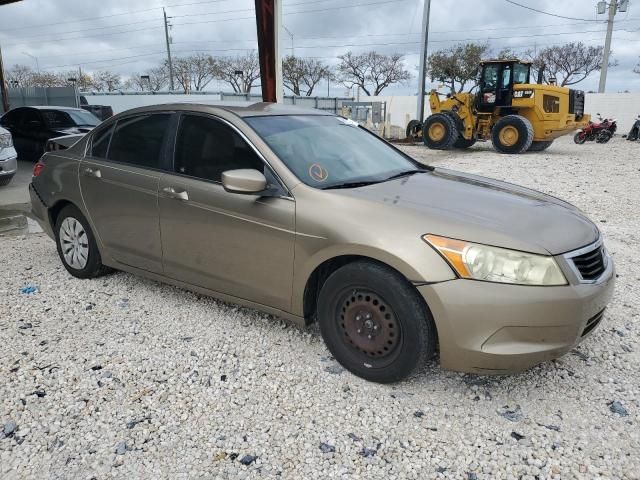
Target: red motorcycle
x,y
600,132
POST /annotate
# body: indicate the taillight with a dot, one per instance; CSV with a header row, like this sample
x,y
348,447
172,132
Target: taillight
x,y
38,168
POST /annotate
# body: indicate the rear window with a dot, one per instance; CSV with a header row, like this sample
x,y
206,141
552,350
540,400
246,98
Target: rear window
x,y
100,143
69,118
138,140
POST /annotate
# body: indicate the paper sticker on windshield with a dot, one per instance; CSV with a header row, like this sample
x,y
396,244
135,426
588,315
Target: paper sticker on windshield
x,y
318,173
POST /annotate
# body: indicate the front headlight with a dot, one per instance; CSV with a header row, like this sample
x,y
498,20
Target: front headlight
x,y
5,140
493,264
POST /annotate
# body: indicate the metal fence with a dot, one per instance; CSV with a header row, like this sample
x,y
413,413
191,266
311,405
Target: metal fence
x,y
28,96
330,104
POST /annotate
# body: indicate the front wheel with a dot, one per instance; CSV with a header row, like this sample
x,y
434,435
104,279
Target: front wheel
x,y
76,244
439,132
512,134
374,322
580,138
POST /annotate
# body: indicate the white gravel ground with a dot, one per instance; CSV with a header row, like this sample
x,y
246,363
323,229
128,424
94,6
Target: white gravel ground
x,y
122,377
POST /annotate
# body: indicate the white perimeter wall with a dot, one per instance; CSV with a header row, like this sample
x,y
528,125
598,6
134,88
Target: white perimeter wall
x,y
624,107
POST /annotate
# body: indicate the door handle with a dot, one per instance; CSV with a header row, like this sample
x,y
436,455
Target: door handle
x,y
93,172
178,195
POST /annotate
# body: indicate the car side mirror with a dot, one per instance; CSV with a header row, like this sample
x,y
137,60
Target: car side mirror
x,y
244,180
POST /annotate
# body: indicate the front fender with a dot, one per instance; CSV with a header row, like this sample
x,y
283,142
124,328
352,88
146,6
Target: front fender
x,y
438,270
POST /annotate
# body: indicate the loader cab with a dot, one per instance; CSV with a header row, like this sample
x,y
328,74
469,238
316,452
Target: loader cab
x,y
497,78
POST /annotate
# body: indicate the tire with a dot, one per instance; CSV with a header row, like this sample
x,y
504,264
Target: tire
x,y
460,142
414,130
400,324
579,138
73,231
512,134
540,146
439,132
463,143
5,180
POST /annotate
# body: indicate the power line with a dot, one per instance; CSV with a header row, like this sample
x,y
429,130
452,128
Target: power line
x,y
548,13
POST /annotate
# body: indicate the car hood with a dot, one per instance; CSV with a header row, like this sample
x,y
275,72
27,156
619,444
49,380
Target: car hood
x,y
482,210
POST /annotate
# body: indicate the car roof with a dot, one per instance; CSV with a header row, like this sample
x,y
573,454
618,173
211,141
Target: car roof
x,y
52,107
260,109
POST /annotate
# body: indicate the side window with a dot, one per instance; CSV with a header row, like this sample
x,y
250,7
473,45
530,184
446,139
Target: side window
x,y
139,140
31,117
11,118
206,147
100,143
506,77
490,78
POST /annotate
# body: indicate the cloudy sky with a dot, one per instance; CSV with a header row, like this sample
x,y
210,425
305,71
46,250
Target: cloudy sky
x,y
127,36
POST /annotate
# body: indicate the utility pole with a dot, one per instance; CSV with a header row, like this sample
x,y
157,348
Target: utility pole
x,y
3,86
614,7
166,36
293,48
423,60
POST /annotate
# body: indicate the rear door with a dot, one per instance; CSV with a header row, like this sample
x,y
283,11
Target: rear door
x,y
240,245
119,181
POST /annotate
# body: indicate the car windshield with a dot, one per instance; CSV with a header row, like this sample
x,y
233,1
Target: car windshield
x,y
329,152
69,118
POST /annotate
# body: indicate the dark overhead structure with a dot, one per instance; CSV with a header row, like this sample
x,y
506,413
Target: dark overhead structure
x,y
6,2
265,25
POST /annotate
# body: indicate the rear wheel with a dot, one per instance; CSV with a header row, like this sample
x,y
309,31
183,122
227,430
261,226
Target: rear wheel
x,y
413,130
374,322
540,146
512,134
439,132
579,138
460,142
76,244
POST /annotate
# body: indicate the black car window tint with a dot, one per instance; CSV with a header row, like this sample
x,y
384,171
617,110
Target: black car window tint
x,y
57,119
206,147
31,118
138,140
11,118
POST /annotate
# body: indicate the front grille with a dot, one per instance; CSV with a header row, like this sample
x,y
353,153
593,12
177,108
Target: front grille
x,y
576,103
593,322
592,264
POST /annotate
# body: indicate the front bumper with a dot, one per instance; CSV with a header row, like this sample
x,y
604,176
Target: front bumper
x,y
8,162
496,328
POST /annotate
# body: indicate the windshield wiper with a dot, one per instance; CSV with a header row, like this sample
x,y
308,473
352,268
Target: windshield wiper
x,y
352,184
406,173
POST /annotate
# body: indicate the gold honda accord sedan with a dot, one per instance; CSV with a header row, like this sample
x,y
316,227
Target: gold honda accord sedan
x,y
307,216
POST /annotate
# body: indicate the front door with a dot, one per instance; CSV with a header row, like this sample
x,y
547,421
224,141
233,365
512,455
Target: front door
x,y
119,180
239,245
496,86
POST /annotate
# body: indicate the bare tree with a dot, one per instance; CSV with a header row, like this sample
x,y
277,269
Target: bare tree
x,y
46,79
372,71
83,81
570,63
106,81
240,72
298,73
155,80
182,73
20,76
458,66
292,73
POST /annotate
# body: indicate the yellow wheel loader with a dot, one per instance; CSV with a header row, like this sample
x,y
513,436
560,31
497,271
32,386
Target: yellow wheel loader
x,y
515,114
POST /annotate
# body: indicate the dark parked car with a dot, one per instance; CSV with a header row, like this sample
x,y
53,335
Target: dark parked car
x,y
32,127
